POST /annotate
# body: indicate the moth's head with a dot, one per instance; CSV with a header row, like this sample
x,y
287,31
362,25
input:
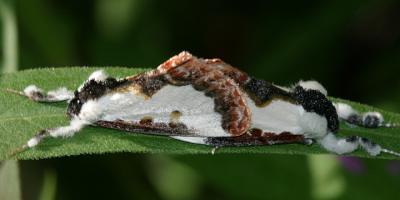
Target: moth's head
x,y
97,85
74,106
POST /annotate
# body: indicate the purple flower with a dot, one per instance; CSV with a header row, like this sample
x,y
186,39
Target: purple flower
x,y
352,164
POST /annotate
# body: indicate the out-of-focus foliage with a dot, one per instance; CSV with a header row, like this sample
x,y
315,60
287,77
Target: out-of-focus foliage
x,y
9,180
351,47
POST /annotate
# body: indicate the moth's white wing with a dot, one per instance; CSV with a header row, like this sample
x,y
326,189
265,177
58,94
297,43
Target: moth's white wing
x,y
277,117
282,116
197,109
194,140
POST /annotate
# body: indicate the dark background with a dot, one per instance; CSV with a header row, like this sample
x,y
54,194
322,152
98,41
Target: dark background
x,y
351,47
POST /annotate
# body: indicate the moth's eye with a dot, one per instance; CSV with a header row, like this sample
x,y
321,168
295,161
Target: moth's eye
x,y
74,107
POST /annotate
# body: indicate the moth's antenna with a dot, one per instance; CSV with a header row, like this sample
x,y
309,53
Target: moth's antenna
x,y
391,152
14,91
18,150
390,125
35,140
36,94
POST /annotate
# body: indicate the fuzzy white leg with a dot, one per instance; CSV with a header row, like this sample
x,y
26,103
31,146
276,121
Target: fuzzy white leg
x,y
90,112
63,131
68,131
347,145
367,119
337,145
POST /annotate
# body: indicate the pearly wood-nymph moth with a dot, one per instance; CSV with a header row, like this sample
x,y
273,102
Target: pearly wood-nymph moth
x,y
207,101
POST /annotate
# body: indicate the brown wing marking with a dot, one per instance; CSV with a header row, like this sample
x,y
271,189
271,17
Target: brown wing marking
x,y
216,78
257,137
149,127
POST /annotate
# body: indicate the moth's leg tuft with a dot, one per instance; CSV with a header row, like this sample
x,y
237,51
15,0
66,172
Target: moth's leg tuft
x,y
372,119
34,141
366,119
349,144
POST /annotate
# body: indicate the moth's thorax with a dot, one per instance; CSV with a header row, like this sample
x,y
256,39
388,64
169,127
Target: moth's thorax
x,y
93,89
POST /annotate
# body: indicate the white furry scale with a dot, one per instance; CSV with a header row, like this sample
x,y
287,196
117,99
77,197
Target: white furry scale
x,y
281,116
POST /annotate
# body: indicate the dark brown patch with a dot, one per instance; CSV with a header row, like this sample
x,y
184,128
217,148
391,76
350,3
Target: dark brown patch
x,y
263,92
177,125
174,116
172,125
146,120
256,137
255,132
148,85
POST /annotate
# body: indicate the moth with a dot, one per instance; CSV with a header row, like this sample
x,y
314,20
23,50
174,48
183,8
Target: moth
x,y
207,101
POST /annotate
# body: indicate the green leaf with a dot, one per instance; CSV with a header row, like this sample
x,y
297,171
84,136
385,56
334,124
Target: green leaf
x,y
21,118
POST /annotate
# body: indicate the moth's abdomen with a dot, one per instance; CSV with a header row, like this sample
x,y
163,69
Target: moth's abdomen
x,y
288,101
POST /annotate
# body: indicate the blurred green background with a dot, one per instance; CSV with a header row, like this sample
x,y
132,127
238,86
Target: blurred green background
x,y
351,47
